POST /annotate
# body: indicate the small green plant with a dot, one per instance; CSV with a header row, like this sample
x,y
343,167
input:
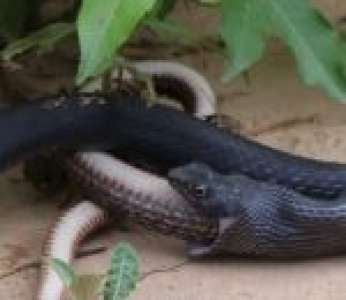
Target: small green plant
x,y
118,283
103,27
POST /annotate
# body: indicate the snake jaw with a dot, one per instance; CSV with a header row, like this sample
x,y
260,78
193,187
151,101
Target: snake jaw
x,y
202,249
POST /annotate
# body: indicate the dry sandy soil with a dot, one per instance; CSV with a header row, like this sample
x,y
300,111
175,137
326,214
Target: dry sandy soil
x,y
275,109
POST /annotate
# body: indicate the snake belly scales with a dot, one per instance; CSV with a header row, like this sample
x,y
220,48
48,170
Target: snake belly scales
x,y
160,133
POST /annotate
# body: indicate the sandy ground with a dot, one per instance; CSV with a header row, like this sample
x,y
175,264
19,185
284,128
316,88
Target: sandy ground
x,y
275,109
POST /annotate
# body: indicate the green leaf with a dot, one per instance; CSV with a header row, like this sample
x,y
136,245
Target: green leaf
x,y
245,29
123,275
319,50
43,39
103,27
64,271
13,15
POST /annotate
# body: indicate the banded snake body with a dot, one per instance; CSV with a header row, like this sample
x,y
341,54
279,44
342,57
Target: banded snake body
x,y
152,202
170,139
99,172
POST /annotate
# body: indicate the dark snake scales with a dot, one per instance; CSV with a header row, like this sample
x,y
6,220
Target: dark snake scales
x,y
166,137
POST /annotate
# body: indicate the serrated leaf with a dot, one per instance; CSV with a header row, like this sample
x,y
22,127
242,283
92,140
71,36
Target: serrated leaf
x,y
319,50
86,287
64,271
103,27
43,39
123,274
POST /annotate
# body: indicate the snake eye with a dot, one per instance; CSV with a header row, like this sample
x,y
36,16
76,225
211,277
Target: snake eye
x,y
200,191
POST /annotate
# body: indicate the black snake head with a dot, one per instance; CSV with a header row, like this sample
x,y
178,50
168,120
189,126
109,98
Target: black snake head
x,y
215,196
208,191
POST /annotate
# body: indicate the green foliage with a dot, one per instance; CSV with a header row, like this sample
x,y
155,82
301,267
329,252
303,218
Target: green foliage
x,y
43,39
245,29
119,282
319,50
122,276
103,27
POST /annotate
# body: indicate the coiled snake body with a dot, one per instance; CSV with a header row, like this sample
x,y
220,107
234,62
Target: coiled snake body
x,y
167,138
120,181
